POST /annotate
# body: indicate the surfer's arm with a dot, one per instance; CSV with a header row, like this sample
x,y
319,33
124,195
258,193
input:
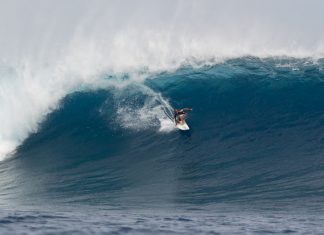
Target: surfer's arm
x,y
186,109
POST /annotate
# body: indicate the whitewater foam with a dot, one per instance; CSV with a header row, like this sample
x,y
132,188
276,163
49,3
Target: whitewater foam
x,y
140,108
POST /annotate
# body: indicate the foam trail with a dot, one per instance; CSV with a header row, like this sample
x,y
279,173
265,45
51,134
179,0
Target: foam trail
x,y
52,48
137,114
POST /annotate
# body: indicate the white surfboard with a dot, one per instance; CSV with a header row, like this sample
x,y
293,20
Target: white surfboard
x,y
183,126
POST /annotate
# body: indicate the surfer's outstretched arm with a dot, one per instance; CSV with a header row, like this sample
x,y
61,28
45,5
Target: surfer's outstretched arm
x,y
186,109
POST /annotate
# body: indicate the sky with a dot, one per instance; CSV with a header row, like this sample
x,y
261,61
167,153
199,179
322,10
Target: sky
x,y
28,27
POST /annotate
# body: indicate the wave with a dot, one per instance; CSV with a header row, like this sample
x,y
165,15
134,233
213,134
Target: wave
x,y
256,136
50,57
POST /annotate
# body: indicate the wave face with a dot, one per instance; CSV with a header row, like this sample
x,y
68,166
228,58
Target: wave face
x,y
256,136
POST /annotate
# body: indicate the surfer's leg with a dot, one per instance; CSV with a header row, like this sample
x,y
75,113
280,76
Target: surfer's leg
x,y
181,119
178,120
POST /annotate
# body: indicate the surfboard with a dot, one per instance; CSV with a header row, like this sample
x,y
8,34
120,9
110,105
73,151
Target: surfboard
x,y
184,126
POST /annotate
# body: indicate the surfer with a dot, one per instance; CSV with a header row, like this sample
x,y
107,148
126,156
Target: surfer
x,y
179,114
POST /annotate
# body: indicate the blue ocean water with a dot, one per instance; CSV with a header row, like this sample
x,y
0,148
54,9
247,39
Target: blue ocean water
x,y
251,163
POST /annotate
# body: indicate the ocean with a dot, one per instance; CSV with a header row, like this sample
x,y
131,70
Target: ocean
x,y
87,145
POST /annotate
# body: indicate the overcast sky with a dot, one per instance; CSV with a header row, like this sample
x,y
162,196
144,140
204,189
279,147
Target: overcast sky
x,y
28,25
